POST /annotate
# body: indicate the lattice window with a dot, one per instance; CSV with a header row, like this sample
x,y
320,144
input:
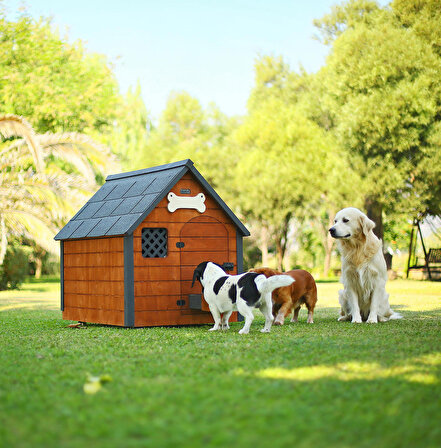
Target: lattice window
x,y
154,242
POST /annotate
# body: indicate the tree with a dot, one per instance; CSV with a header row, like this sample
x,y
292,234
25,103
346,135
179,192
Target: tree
x,y
187,130
128,138
280,168
384,99
423,17
44,179
58,85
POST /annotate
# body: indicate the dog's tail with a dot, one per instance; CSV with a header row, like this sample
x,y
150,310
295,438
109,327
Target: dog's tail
x,y
391,315
274,282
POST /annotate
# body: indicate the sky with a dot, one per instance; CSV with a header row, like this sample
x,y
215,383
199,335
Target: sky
x,y
204,47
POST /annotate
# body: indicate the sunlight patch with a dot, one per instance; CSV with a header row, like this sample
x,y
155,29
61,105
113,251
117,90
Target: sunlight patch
x,y
417,372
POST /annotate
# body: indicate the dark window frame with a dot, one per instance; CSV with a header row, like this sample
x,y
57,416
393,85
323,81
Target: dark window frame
x,y
154,242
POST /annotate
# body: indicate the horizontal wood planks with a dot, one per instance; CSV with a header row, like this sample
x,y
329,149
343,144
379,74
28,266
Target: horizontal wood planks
x,y
172,317
94,268
162,284
99,316
94,280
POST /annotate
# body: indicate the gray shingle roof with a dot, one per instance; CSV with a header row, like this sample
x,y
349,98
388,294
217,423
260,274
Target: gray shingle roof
x,y
125,200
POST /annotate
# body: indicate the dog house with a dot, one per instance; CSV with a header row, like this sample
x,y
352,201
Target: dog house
x,y
128,255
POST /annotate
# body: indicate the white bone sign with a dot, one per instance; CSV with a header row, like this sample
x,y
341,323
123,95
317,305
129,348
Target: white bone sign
x,y
176,202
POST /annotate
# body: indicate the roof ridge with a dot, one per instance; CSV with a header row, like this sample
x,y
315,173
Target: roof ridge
x,y
186,162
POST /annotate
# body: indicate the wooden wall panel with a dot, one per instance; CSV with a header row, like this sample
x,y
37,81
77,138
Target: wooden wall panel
x,y
94,273
174,317
94,245
94,280
170,317
158,302
172,259
161,214
96,301
94,287
154,288
107,317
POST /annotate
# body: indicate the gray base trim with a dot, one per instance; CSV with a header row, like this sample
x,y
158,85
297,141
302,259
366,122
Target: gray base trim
x,y
129,283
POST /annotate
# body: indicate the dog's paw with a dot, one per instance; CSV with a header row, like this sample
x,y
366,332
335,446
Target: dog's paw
x,y
343,318
372,320
214,329
278,322
243,331
356,320
265,330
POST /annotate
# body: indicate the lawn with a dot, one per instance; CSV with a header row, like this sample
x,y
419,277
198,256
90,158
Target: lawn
x,y
329,384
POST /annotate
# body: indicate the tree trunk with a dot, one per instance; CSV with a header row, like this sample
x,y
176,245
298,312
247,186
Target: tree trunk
x,y
374,211
324,223
279,255
264,245
38,267
282,242
329,244
328,255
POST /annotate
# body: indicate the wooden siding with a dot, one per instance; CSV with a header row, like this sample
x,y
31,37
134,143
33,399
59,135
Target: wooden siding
x,y
160,283
94,268
94,280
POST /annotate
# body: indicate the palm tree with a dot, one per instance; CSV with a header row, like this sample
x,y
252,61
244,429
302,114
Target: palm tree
x,y
44,178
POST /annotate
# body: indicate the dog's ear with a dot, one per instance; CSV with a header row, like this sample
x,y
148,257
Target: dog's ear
x,y
198,272
366,224
196,276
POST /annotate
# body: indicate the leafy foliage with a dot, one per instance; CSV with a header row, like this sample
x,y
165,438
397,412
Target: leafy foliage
x,y
34,203
14,269
57,84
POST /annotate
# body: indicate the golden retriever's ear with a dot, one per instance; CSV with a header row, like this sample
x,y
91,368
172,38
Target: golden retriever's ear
x,y
366,224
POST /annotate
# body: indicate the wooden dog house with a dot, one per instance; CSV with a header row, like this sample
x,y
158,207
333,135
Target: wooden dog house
x,y
128,255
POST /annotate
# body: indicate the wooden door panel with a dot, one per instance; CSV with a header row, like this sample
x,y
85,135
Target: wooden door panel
x,y
205,239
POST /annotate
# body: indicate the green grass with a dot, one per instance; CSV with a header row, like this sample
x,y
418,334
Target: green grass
x,y
329,384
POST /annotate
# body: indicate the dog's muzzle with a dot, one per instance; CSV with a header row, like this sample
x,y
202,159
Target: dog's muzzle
x,y
333,233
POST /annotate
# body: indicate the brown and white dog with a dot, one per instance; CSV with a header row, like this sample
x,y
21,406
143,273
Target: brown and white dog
x,y
289,298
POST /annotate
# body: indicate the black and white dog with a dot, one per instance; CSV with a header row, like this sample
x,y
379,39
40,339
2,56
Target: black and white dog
x,y
224,293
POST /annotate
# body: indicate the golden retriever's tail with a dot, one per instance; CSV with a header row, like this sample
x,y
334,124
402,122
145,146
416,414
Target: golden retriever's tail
x,y
391,315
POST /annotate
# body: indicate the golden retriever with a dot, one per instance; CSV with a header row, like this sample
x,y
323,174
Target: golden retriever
x,y
364,273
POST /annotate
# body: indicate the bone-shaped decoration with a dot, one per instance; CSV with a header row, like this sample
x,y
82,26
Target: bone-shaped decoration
x,y
176,202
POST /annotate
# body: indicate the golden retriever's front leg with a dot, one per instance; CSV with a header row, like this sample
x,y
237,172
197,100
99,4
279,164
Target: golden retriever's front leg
x,y
345,312
377,296
354,307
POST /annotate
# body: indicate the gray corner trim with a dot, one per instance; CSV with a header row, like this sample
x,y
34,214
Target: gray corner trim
x,y
129,283
217,198
62,274
239,252
239,258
